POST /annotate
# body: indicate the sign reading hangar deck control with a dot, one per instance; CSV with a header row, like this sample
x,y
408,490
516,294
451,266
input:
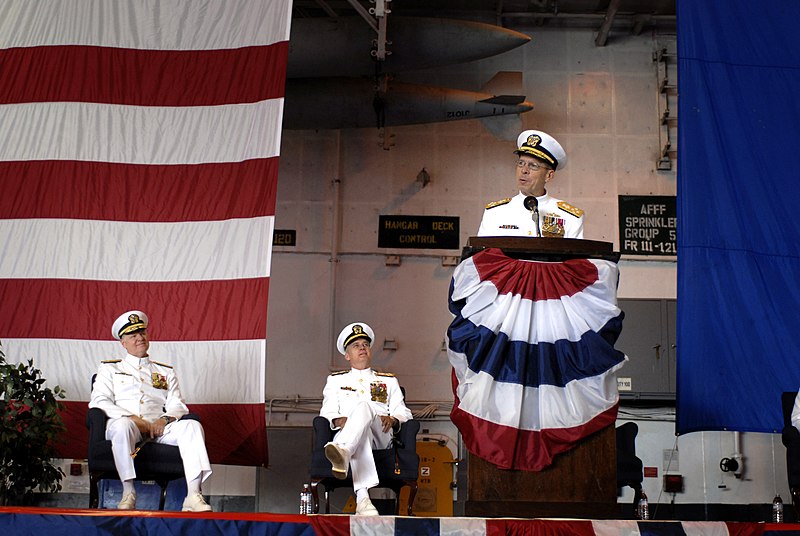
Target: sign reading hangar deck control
x,y
418,232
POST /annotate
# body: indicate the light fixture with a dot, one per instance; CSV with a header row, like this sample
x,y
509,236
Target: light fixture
x,y
448,260
392,260
389,344
423,178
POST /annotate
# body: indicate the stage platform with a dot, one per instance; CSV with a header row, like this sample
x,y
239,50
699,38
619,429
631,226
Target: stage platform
x,y
72,522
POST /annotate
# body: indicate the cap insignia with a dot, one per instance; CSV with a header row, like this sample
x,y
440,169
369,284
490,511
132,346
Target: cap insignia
x,y
533,140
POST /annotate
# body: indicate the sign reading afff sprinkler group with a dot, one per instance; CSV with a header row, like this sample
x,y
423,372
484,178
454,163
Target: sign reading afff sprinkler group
x,y
648,225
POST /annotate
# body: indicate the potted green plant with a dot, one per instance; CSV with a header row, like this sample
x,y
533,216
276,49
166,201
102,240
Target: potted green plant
x,y
30,429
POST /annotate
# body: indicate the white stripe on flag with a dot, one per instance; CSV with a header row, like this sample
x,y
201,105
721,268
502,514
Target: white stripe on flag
x,y
133,251
543,408
615,528
144,24
371,525
210,372
142,134
525,320
462,526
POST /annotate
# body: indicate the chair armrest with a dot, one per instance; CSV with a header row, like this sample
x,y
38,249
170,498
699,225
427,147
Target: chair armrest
x,y
406,437
96,423
322,432
790,436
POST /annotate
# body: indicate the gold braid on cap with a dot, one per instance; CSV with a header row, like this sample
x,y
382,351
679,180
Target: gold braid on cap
x,y
134,324
532,147
358,333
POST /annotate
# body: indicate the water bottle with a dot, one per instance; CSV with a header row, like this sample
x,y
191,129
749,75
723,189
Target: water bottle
x,y
777,509
643,509
306,502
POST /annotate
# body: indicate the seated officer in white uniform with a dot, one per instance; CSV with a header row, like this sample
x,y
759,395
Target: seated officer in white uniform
x,y
538,157
142,399
364,406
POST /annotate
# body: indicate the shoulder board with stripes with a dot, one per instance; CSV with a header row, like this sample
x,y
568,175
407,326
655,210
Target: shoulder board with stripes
x,y
339,372
110,361
498,203
387,374
569,209
162,364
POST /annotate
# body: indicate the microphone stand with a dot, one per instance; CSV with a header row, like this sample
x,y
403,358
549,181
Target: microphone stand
x,y
532,204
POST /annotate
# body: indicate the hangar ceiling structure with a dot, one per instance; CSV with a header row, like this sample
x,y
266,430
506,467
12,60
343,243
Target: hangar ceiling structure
x,y
350,56
606,16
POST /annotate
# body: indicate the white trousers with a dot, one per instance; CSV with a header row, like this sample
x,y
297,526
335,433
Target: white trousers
x,y
362,432
187,434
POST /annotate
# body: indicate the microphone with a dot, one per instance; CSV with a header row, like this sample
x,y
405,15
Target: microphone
x,y
532,204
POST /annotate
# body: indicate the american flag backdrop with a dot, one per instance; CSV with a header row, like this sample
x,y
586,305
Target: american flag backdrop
x,y
532,350
139,145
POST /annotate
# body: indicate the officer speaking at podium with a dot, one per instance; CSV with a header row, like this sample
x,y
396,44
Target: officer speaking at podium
x,y
534,212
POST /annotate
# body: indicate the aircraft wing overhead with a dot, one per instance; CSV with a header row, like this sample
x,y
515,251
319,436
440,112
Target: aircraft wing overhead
x,y
324,47
508,100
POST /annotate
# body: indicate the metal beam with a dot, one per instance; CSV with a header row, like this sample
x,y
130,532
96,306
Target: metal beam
x,y
608,21
361,10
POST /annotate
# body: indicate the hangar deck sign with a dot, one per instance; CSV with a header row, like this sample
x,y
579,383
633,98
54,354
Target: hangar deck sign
x,y
418,232
648,225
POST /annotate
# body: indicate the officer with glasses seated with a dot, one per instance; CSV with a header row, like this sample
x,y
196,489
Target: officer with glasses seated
x,y
533,212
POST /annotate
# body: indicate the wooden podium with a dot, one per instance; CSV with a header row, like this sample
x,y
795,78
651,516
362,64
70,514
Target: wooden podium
x,y
581,483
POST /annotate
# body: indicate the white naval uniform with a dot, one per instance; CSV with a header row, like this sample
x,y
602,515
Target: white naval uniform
x,y
513,219
362,396
139,386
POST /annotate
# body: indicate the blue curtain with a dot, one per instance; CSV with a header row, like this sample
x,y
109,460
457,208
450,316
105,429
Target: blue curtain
x,y
738,210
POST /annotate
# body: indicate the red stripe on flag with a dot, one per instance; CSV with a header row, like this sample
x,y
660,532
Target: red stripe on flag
x,y
181,310
331,525
539,527
77,73
512,448
234,432
534,280
753,529
163,193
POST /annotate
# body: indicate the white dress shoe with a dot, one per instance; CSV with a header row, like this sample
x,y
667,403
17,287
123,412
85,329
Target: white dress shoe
x,y
339,458
128,502
366,508
195,502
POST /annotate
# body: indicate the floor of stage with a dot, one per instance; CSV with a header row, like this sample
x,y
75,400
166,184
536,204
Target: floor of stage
x,y
78,522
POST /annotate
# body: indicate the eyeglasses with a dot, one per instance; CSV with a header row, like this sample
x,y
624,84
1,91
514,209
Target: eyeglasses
x,y
533,166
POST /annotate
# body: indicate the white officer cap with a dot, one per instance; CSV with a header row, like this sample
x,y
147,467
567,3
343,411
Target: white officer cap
x,y
352,332
128,323
543,146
